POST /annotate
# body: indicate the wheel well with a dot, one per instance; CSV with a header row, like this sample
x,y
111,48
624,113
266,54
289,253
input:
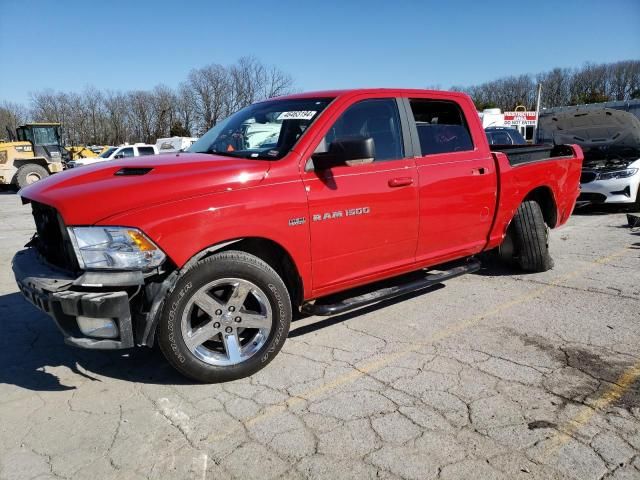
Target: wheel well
x,y
36,161
277,258
544,197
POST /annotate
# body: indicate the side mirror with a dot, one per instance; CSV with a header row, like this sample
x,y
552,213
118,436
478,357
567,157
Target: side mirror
x,y
348,151
120,155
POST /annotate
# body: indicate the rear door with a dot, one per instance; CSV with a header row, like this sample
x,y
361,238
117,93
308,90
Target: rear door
x,y
457,181
364,218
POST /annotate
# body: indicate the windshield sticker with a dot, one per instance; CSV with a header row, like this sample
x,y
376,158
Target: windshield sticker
x,y
297,115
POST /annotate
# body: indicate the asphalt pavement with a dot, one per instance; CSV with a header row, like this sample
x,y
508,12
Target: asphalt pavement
x,y
496,375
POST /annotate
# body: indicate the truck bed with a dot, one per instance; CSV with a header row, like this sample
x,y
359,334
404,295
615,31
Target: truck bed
x,y
522,154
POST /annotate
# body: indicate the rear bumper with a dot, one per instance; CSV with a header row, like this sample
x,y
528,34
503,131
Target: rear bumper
x,y
57,294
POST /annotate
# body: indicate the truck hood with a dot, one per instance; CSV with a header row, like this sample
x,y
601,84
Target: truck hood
x,y
86,195
602,133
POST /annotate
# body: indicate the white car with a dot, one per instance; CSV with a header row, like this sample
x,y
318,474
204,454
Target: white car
x,y
612,182
113,153
611,143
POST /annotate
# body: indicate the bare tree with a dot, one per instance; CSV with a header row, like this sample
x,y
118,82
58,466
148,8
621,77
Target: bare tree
x,y
12,115
50,106
164,109
590,84
277,83
185,107
141,115
215,91
624,80
208,95
116,111
556,86
93,103
209,86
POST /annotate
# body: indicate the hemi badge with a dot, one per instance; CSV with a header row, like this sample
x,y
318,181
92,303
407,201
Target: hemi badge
x,y
297,221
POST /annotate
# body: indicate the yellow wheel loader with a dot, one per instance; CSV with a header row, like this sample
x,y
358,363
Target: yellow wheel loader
x,y
34,152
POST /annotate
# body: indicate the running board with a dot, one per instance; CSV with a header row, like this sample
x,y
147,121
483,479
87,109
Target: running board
x,y
376,296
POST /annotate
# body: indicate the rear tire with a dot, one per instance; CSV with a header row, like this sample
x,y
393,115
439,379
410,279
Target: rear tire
x,y
30,173
227,317
530,236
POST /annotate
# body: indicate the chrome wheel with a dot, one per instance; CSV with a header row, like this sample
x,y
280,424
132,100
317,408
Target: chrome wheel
x,y
226,321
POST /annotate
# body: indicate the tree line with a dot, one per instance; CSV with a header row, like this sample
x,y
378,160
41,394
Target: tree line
x,y
95,117
592,83
211,93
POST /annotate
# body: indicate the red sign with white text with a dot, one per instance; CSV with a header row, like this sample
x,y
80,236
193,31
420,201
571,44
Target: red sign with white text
x,y
520,118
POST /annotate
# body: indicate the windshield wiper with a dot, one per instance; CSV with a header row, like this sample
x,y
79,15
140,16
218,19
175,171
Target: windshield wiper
x,y
224,153
238,154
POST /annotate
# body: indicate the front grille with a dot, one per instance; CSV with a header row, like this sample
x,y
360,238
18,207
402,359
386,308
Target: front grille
x,y
592,197
587,177
52,241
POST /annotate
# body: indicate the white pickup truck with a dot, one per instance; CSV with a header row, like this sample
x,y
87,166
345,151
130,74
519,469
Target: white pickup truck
x,y
113,153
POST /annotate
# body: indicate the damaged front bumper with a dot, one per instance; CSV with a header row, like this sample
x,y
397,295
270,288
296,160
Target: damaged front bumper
x,y
93,296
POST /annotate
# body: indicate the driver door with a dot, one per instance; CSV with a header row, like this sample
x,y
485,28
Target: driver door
x,y
363,218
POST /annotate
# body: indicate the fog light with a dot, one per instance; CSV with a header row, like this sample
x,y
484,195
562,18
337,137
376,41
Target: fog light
x,y
98,327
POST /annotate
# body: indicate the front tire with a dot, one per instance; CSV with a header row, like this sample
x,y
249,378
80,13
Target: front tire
x,y
528,235
30,173
226,318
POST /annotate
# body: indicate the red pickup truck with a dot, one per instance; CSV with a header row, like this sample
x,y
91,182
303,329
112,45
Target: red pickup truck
x,y
284,208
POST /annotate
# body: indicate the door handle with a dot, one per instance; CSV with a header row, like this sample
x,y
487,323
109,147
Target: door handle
x,y
479,171
400,182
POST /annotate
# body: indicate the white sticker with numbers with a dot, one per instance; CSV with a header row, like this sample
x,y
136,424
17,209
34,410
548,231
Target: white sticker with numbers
x,y
297,115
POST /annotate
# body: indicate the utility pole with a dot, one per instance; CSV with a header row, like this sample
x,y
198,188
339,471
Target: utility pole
x,y
535,130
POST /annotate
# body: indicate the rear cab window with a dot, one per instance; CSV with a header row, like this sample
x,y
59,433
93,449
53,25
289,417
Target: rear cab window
x,y
142,151
441,126
499,138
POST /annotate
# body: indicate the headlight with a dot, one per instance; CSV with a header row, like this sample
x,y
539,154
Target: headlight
x,y
114,248
3,156
618,174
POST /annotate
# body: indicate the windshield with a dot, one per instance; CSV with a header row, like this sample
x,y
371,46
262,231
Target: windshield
x,y
107,153
45,136
264,130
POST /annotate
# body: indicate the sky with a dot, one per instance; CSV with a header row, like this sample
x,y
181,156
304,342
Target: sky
x,y
137,44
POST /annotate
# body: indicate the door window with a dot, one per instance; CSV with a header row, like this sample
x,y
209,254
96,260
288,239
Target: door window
x,y
125,152
378,119
441,127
